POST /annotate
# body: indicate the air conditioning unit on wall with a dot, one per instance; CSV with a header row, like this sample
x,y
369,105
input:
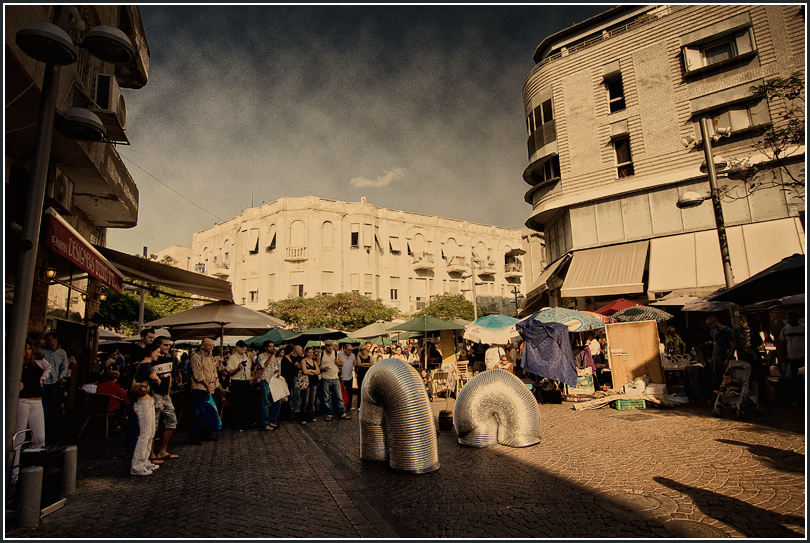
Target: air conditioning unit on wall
x,y
111,107
59,191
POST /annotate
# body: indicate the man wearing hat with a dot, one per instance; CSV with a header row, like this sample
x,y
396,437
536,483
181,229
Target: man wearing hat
x,y
241,399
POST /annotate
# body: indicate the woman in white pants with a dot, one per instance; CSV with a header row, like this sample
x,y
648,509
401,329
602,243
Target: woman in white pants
x,y
144,408
29,406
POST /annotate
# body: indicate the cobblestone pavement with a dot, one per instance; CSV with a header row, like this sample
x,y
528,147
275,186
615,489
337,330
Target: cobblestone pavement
x,y
660,473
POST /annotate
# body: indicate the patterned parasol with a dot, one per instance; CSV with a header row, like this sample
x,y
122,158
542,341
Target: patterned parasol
x,y
641,313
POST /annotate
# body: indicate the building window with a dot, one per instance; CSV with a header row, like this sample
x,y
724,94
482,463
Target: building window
x,y
272,237
394,294
355,241
624,160
550,170
254,296
394,245
540,124
253,241
368,235
718,44
738,117
326,234
615,90
297,291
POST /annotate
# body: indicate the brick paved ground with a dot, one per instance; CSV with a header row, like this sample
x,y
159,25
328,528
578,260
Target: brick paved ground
x,y
601,473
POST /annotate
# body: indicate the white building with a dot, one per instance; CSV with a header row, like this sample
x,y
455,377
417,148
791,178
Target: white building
x,y
308,246
612,112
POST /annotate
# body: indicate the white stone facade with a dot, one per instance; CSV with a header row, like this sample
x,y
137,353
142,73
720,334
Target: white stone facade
x,y
309,245
613,108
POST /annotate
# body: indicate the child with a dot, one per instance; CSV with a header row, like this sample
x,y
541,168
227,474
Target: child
x,y
729,387
428,381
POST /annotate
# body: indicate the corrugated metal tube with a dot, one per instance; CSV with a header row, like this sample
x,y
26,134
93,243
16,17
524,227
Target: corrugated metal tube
x,y
396,421
496,407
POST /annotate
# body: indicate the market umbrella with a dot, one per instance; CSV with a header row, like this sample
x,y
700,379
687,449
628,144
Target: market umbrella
x,y
220,318
641,313
576,321
350,340
375,329
498,329
604,318
460,321
678,301
276,335
107,335
785,278
705,305
321,334
425,324
160,332
616,305
381,341
313,343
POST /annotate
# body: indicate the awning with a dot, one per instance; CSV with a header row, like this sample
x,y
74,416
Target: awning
x,y
692,261
541,285
605,271
65,241
168,276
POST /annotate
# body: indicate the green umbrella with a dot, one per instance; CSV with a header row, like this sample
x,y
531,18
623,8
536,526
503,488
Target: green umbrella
x,y
276,335
314,343
382,340
350,340
425,324
322,333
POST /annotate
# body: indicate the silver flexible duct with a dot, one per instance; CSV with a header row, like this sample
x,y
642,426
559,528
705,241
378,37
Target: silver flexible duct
x,y
396,421
496,407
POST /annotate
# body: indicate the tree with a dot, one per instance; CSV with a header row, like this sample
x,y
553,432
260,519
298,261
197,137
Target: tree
x,y
347,311
450,306
780,140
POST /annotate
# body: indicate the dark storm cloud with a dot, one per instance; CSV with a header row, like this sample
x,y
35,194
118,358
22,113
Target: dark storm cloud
x,y
415,107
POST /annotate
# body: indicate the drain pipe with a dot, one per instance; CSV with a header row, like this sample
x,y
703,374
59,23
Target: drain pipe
x,y
496,407
396,421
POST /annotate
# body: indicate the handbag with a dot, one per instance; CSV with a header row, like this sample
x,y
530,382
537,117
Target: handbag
x,y
139,388
303,381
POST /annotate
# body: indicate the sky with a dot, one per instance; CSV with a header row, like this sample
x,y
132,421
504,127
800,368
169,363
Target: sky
x,y
417,108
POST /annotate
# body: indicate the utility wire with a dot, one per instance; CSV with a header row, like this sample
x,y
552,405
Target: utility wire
x,y
168,187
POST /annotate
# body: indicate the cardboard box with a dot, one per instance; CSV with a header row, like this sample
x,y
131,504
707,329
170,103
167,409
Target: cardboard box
x,y
655,389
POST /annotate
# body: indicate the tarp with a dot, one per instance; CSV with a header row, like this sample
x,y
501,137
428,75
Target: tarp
x,y
547,350
785,278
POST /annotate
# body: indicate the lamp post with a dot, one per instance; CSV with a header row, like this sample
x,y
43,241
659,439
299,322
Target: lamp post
x,y
51,44
516,292
689,200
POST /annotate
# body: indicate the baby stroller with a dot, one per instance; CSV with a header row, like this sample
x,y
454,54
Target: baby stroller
x,y
743,395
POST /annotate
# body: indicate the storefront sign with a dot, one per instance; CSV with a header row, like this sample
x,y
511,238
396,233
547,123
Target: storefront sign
x,y
64,241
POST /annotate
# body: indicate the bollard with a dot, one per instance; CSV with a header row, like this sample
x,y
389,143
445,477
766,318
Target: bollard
x,y
29,496
69,471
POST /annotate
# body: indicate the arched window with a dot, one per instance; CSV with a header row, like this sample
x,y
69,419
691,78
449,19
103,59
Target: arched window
x,y
297,234
327,233
450,248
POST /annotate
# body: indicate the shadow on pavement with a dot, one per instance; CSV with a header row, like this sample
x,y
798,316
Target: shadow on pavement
x,y
737,513
780,459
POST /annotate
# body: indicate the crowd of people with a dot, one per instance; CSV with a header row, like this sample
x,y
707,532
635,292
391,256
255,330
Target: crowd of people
x,y
251,388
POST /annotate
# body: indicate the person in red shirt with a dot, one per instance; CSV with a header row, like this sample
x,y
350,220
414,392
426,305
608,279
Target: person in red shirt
x,y
109,385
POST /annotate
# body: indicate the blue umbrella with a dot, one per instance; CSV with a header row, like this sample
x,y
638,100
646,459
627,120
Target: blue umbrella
x,y
576,321
491,329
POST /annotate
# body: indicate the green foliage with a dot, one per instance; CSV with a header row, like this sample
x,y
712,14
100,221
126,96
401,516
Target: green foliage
x,y
121,310
450,306
347,311
780,139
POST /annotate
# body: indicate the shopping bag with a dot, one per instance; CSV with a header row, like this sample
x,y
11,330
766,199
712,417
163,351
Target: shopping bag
x,y
278,388
344,394
210,416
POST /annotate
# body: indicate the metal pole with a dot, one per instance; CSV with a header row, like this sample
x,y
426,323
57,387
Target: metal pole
x,y
515,291
472,280
725,255
29,243
143,299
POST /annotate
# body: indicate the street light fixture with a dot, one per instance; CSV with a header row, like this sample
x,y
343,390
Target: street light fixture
x,y
693,199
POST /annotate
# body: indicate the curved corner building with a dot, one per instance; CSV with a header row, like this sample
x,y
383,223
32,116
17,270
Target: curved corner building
x,y
613,108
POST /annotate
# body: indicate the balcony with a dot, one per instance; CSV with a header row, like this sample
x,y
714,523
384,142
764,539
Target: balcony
x,y
457,264
513,269
486,267
425,261
220,269
541,137
296,254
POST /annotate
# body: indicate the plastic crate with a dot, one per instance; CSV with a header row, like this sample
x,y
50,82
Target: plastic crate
x,y
623,405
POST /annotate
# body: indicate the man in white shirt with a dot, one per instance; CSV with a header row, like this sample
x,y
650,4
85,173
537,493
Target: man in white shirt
x,y
493,356
345,361
241,396
332,397
52,387
270,406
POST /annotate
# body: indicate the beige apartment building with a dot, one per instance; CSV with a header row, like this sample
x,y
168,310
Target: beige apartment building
x,y
308,246
613,108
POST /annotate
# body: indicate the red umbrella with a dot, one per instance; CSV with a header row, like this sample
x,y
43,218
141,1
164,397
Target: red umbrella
x,y
616,305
